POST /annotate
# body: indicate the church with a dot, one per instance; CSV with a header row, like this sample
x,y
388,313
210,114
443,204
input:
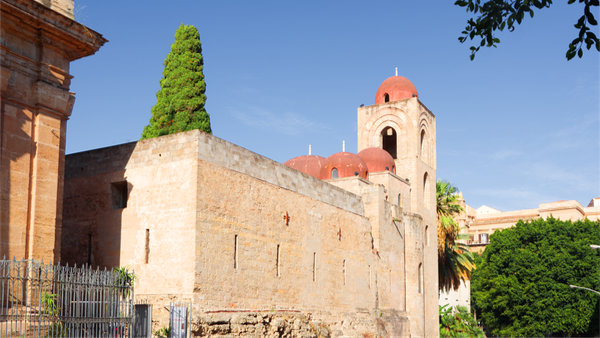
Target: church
x,y
349,239
346,244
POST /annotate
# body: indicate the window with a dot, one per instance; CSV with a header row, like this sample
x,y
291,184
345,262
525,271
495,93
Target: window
x,y
389,141
118,192
334,173
420,281
422,144
426,235
399,200
277,261
386,97
483,238
235,252
147,247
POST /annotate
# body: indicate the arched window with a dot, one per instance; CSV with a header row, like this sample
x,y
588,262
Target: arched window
x,y
334,173
426,235
389,141
386,97
399,200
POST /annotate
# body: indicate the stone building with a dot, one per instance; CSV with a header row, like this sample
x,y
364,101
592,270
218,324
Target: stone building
x,y
346,241
38,40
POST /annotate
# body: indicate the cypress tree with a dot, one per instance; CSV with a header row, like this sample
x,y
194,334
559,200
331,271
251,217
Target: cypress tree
x,y
180,100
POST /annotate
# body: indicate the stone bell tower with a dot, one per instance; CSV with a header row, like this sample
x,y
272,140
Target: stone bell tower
x,y
400,124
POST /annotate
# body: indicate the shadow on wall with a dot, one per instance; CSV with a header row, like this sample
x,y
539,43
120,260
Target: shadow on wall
x,y
16,149
96,195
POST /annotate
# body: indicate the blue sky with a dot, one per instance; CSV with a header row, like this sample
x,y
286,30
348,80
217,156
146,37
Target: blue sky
x,y
517,127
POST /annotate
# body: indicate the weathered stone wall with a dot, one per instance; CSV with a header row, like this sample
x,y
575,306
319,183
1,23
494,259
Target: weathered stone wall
x,y
233,231
36,47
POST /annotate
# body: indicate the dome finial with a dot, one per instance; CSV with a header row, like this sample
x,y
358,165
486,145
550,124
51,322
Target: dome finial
x,y
396,71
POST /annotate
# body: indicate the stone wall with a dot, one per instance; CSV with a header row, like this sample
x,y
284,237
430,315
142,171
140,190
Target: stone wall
x,y
230,231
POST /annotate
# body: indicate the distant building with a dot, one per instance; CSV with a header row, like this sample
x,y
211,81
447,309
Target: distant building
x,y
480,223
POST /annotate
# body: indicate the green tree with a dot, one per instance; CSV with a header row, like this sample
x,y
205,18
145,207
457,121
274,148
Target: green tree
x,y
180,100
455,261
496,15
522,286
458,323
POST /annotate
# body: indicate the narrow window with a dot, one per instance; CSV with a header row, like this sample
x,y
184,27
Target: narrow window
x,y
89,258
277,261
118,191
389,141
314,266
422,144
369,276
420,278
426,235
344,270
386,97
235,252
400,200
426,191
147,247
334,173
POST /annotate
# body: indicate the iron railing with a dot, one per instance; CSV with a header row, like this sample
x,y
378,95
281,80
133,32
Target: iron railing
x,y
45,300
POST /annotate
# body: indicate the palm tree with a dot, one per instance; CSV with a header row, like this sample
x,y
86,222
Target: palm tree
x,y
455,261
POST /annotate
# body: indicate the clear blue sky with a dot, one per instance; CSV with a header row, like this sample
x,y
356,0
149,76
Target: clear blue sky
x,y
517,127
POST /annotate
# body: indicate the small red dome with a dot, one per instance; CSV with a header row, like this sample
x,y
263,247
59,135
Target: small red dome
x,y
377,160
308,164
396,88
346,165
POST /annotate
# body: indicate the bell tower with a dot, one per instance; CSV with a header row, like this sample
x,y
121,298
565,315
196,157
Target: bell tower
x,y
401,125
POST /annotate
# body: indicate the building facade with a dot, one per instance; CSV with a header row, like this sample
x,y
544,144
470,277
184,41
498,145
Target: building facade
x,y
38,40
347,241
480,223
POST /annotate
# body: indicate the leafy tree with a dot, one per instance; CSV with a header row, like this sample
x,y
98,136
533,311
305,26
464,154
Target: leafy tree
x,y
522,286
455,261
458,323
180,100
496,15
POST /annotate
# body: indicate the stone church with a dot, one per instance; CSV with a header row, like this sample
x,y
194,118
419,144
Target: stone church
x,y
346,243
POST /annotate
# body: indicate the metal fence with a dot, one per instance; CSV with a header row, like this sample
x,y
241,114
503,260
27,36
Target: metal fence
x,y
44,300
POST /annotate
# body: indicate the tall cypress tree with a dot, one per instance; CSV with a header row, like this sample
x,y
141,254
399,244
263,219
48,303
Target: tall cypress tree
x,y
180,100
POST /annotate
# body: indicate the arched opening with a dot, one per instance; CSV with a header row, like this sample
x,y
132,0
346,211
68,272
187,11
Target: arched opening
x,y
389,141
386,97
427,235
400,200
334,173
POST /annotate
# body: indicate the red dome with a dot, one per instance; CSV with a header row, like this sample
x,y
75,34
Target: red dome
x,y
397,88
377,160
308,164
346,164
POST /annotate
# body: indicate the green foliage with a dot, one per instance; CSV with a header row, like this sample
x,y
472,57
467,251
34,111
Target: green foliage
x,y
496,15
124,281
458,323
56,330
455,261
522,286
50,304
163,332
180,100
